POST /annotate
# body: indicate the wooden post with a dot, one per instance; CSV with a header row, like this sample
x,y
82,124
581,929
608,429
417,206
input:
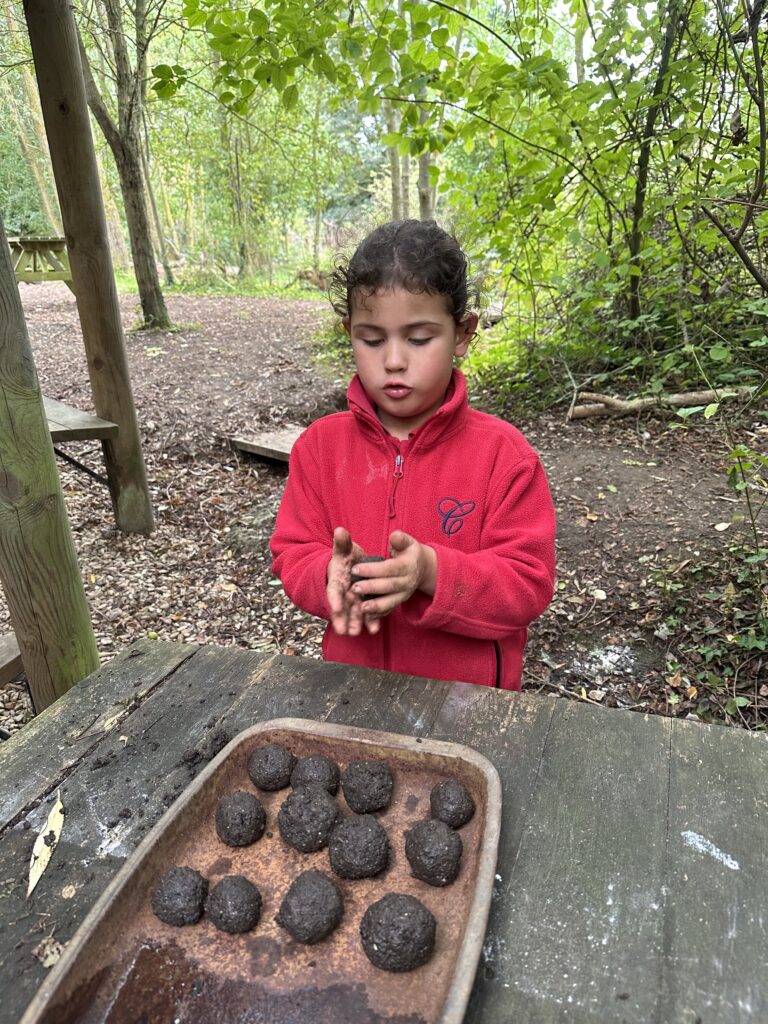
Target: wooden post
x,y
38,565
53,35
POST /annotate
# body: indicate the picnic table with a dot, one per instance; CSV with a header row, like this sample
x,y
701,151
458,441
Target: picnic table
x,y
631,877
40,259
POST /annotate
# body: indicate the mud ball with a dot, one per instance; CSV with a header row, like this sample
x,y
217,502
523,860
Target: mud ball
x,y
270,767
306,818
450,802
234,904
367,786
354,578
398,933
434,852
180,896
240,819
312,908
316,770
358,847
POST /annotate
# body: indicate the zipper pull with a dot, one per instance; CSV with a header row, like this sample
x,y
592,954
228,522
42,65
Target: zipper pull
x,y
398,474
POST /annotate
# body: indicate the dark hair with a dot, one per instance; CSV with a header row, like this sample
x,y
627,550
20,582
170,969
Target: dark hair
x,y
413,254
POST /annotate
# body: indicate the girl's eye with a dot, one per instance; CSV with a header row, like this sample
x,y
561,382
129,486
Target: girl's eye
x,y
420,341
372,342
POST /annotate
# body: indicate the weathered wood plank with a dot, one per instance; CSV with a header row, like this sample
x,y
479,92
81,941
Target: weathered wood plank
x,y
577,931
42,754
511,732
68,424
10,658
121,785
274,444
717,896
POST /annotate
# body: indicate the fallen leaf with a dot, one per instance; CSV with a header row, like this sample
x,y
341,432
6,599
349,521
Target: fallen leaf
x,y
599,595
722,526
45,844
597,694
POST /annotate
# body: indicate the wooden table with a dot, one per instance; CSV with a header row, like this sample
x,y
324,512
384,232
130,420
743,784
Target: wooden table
x,y
632,881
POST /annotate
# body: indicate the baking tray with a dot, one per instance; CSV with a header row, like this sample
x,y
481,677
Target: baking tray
x,y
124,966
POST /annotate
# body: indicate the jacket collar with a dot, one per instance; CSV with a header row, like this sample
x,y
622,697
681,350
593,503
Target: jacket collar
x,y
441,424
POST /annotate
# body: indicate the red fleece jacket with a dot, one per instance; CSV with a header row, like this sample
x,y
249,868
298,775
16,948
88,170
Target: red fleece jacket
x,y
465,483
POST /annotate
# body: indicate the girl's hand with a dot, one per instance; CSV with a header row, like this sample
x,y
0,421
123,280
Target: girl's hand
x,y
347,616
411,566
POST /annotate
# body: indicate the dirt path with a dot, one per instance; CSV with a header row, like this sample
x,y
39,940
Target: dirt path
x,y
633,499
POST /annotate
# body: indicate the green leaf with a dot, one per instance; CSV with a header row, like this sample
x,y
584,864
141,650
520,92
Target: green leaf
x,y
710,410
719,353
290,97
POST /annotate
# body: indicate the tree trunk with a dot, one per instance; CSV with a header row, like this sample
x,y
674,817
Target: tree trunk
x,y
156,219
674,25
54,39
38,564
123,140
128,162
425,192
38,162
405,185
394,164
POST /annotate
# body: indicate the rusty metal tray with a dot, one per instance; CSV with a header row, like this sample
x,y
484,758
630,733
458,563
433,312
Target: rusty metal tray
x,y
124,966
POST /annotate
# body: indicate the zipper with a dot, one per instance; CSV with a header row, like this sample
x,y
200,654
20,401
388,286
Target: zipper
x,y
497,652
398,476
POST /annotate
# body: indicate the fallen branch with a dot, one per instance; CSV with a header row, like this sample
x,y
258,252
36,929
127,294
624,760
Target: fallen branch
x,y
607,405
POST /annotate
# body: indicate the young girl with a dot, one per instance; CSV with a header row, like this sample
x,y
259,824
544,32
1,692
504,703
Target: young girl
x,y
455,502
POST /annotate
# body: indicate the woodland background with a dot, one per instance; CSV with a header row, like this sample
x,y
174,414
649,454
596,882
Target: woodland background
x,y
604,164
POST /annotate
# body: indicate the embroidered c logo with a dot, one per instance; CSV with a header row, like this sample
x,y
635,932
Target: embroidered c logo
x,y
452,512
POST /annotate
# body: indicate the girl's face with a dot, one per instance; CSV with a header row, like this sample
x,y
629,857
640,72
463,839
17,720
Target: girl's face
x,y
404,344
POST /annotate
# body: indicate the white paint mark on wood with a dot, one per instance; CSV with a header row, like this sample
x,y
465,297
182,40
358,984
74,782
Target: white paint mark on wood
x,y
702,845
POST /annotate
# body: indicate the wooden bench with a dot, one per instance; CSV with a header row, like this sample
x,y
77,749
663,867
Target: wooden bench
x,y
10,659
274,444
68,424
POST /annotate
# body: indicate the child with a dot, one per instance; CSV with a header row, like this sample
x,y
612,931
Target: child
x,y
455,500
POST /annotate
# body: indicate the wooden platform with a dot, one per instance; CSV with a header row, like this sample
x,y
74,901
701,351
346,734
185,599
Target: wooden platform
x,y
275,444
630,884
68,424
10,659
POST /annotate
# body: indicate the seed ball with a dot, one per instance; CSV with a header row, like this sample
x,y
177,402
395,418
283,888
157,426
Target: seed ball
x,y
398,933
306,817
367,786
358,847
354,578
180,896
270,767
312,908
316,770
450,802
240,819
434,852
234,904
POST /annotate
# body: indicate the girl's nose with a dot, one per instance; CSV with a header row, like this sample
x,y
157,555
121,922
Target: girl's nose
x,y
394,356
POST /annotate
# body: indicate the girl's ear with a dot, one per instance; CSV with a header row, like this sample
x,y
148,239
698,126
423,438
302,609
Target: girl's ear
x,y
465,332
346,322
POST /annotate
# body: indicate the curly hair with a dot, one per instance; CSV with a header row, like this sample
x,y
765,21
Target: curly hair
x,y
412,254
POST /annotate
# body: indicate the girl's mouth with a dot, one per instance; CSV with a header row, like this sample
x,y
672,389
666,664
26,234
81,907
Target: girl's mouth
x,y
396,390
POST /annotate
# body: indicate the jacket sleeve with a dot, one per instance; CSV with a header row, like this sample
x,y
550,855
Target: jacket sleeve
x,y
302,543
507,583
